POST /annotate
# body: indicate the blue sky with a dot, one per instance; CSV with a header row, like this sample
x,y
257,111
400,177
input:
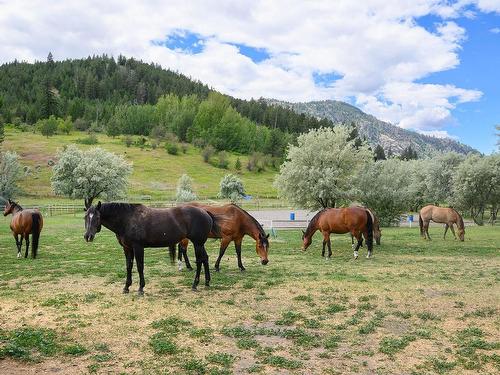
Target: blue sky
x,y
425,65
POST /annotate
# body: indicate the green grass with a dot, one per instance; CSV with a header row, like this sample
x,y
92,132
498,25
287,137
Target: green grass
x,y
301,313
155,172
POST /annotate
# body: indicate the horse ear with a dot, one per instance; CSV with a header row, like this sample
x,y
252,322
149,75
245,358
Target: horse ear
x,y
87,205
267,235
98,205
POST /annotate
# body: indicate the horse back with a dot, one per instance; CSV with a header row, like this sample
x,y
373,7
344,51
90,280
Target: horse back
x,y
22,221
342,220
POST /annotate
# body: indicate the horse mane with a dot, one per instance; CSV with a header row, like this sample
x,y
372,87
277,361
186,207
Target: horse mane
x,y
118,208
15,204
460,219
314,220
254,220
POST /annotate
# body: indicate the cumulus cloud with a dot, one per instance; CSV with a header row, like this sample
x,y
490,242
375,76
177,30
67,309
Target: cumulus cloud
x,y
375,49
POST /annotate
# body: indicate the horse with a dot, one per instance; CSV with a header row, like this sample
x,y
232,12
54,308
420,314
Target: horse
x,y
377,232
355,220
137,226
234,223
24,222
446,215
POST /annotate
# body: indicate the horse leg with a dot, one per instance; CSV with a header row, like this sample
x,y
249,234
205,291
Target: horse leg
x,y
139,259
237,245
352,241
186,259
223,246
199,255
452,230
206,266
426,228
27,238
359,244
323,252
129,261
20,246
445,230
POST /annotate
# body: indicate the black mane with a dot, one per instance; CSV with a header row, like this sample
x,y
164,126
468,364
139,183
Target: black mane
x,y
119,208
261,230
314,220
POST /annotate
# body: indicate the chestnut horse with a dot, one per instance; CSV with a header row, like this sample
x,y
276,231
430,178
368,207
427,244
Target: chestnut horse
x,y
23,223
446,215
377,232
234,223
355,220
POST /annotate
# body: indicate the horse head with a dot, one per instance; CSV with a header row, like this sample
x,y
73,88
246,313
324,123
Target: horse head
x,y
92,221
306,241
461,233
262,247
9,207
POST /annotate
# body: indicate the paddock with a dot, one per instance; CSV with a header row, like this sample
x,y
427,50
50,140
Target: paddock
x,y
416,307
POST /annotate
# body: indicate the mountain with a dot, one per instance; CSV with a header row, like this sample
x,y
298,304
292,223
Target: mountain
x,y
374,130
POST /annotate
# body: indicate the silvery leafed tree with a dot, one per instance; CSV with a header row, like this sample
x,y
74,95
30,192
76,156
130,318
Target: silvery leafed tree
x,y
90,174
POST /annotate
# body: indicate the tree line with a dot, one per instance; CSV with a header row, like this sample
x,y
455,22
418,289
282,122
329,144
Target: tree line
x,y
327,169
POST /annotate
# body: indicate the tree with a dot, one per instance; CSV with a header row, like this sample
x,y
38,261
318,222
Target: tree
x,y
113,127
2,134
439,177
476,185
48,127
90,174
408,154
383,186
379,153
231,187
320,171
185,191
497,127
65,125
10,173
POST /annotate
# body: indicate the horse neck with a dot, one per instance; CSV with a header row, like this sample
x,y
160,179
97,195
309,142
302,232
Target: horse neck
x,y
16,209
114,221
311,229
252,230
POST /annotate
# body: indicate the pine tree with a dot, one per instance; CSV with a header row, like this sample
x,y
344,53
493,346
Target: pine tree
x,y
379,153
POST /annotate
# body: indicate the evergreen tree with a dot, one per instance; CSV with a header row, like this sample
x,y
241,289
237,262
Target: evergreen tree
x,y
409,154
379,153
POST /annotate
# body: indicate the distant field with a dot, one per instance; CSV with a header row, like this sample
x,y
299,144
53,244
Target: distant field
x,y
417,307
155,171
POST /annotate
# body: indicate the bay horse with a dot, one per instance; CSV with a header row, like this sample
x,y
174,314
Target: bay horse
x,y
446,215
234,223
355,220
137,226
23,223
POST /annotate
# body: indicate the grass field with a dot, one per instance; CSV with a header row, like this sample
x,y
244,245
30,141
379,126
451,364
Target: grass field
x,y
155,172
417,307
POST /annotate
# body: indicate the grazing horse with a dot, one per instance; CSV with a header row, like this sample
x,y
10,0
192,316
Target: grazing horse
x,y
234,223
137,226
377,232
448,216
24,222
355,220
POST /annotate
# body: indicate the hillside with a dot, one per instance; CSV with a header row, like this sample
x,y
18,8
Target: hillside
x,y
155,172
374,130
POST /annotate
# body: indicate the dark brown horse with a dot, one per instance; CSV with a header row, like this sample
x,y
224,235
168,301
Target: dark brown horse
x,y
355,220
23,223
137,226
234,223
446,215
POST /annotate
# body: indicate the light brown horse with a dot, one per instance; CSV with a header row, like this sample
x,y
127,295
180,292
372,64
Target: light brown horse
x,y
234,224
355,220
24,223
444,215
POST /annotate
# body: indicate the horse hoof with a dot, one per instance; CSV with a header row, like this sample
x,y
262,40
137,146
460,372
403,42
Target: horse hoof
x,y
190,268
194,288
140,292
18,256
217,269
242,269
125,291
207,285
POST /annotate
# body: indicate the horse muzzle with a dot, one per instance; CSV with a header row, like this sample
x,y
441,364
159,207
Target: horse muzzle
x,y
264,261
89,237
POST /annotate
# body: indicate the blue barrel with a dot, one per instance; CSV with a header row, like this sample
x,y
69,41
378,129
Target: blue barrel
x,y
410,218
292,215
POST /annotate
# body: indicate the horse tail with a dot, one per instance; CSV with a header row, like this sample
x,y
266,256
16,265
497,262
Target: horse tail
x,y
35,232
369,228
171,252
421,223
216,231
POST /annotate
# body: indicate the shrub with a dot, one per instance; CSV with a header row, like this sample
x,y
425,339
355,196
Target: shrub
x,y
81,124
231,187
223,160
172,148
158,132
185,191
207,153
91,139
128,140
237,165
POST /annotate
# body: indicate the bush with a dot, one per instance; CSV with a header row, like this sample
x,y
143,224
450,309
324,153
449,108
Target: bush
x,y
256,162
81,124
223,160
231,187
184,147
237,165
199,142
128,140
172,148
158,132
91,139
155,143
207,153
185,190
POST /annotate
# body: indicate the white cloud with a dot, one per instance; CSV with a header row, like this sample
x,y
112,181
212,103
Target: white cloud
x,y
376,46
495,30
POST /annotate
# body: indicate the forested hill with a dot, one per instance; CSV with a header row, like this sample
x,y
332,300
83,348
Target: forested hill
x,y
389,136
94,86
